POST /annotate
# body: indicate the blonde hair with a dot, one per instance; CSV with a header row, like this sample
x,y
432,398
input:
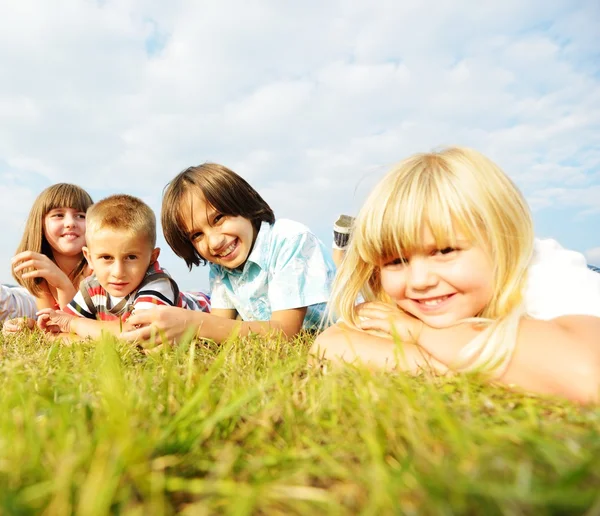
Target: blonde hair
x,y
122,212
60,195
453,190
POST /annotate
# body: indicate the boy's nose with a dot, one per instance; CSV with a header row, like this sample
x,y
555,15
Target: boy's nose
x,y
117,269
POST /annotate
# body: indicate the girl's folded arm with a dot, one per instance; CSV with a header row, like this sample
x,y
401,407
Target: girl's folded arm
x,y
560,356
341,343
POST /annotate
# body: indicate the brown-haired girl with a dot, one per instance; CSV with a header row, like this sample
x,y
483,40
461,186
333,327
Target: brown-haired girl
x,y
49,261
272,274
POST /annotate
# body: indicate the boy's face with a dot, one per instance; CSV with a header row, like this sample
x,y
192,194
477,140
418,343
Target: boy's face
x,y
222,239
119,259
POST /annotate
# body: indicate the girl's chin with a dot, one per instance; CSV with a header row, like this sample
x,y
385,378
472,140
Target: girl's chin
x,y
69,253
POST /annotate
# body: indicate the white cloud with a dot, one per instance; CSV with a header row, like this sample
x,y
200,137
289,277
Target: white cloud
x,y
310,102
585,200
593,256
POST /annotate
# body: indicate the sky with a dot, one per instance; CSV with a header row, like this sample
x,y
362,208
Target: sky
x,y
311,102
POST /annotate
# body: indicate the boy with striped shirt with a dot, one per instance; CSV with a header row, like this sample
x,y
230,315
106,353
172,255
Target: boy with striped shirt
x,y
121,239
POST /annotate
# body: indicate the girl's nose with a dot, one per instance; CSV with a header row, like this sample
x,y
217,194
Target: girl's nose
x,y
69,220
420,274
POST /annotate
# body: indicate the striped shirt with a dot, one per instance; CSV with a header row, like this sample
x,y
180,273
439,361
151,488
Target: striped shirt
x,y
157,288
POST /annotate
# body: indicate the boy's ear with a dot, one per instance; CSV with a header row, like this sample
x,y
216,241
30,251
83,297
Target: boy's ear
x,y
154,255
86,254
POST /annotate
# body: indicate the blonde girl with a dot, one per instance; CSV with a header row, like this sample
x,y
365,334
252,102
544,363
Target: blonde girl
x,y
49,261
444,255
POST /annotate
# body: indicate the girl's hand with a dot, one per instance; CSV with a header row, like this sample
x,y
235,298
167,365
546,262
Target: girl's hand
x,y
389,319
18,324
42,267
54,321
165,322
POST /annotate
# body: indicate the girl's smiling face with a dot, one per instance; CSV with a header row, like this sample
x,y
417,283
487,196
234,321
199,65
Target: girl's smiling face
x,y
64,228
440,286
222,239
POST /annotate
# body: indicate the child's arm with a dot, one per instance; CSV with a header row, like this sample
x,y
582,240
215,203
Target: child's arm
x,y
172,323
18,324
43,267
560,356
342,343
226,313
59,322
160,291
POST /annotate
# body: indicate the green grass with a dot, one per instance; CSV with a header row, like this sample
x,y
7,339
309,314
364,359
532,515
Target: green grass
x,y
250,428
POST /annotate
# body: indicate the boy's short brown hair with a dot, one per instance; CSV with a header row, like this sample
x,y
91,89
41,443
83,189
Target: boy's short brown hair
x,y
122,212
224,190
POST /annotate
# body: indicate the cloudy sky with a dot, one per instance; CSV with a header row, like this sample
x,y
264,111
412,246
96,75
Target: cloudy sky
x,y
310,101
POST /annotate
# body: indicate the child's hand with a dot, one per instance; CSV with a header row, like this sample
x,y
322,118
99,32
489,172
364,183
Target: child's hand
x,y
164,322
41,267
18,324
389,319
54,321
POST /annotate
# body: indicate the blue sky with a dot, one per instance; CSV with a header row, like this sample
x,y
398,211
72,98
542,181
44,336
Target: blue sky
x,y
311,102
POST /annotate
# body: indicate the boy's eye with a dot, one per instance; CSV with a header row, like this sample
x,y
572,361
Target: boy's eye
x,y
131,257
80,216
105,257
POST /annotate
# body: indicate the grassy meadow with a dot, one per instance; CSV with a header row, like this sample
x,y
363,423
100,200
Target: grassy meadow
x,y
251,428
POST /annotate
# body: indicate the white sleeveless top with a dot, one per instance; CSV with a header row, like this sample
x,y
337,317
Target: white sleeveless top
x,y
560,283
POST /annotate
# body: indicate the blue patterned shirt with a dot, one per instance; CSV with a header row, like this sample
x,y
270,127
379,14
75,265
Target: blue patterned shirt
x,y
289,267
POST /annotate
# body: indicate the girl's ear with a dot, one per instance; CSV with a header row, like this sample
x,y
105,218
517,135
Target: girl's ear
x,y
86,254
154,255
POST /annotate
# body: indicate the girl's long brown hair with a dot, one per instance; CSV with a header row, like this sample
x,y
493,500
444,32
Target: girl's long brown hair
x,y
60,195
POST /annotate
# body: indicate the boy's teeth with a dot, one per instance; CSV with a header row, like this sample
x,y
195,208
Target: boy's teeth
x,y
433,302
